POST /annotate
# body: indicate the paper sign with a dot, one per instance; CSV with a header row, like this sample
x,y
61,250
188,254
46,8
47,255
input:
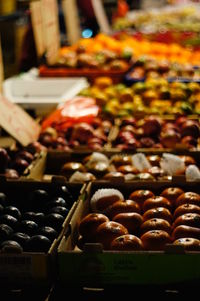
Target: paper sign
x,y
172,164
140,162
51,29
71,20
101,16
37,24
17,122
1,69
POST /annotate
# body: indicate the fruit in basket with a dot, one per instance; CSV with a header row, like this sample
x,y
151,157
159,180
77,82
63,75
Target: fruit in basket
x,y
35,147
188,243
172,193
190,128
113,175
130,220
54,220
189,142
140,195
69,168
21,238
20,165
188,197
12,210
9,220
186,208
28,226
119,160
159,212
147,142
38,199
5,232
38,243
104,197
156,201
188,219
182,231
89,224
3,199
152,126
11,173
82,132
127,242
108,231
155,240
169,138
155,224
23,154
49,232
60,210
188,160
121,206
11,246
124,169
4,159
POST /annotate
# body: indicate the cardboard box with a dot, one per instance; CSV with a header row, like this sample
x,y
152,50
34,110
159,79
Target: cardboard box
x,y
94,267
33,268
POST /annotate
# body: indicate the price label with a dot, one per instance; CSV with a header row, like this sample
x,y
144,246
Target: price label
x,y
51,29
37,24
17,122
71,20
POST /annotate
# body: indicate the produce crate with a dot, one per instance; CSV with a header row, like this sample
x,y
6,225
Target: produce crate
x,y
24,268
94,267
91,74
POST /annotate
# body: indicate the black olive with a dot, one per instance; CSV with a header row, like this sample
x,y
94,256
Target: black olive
x,y
60,210
28,227
3,200
57,201
49,232
21,238
54,220
38,199
38,243
9,220
11,246
5,232
12,210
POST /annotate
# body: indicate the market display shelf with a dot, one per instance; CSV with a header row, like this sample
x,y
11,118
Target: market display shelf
x,y
91,266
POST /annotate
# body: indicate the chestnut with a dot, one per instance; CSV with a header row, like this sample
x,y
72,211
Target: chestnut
x,y
108,231
139,196
156,201
186,208
158,212
20,165
172,193
127,242
189,219
188,197
130,220
155,224
23,154
38,199
182,231
188,243
11,173
155,240
89,224
4,159
122,207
